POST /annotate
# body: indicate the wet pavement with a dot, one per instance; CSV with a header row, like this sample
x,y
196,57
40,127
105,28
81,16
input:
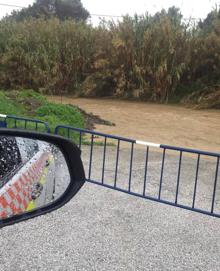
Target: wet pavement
x,y
102,229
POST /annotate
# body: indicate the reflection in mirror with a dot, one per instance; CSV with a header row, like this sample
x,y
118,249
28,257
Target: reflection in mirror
x,y
33,173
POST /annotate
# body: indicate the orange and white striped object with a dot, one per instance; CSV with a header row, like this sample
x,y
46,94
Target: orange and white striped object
x,y
15,196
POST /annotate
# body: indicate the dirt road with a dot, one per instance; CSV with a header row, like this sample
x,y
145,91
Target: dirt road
x,y
165,124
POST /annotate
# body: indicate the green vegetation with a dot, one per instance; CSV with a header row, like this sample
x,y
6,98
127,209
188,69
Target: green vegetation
x,y
30,104
56,114
151,57
29,95
62,9
98,143
9,107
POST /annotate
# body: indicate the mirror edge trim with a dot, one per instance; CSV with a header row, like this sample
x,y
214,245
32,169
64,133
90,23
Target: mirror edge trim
x,y
77,175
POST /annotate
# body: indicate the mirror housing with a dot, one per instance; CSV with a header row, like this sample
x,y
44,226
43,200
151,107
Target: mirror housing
x,y
70,152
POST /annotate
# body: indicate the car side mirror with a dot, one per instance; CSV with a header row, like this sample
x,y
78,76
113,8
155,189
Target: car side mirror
x,y
39,173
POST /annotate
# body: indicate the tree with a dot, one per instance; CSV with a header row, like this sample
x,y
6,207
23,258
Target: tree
x,y
173,13
70,9
62,9
207,25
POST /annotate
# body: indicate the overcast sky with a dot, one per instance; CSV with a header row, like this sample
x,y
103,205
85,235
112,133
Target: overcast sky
x,y
189,8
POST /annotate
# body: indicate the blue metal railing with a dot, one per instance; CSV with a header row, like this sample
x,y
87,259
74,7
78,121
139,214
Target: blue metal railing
x,y
3,123
26,123
181,177
195,183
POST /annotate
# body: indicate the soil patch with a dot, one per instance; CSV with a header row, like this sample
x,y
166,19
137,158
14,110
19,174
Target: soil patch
x,y
91,120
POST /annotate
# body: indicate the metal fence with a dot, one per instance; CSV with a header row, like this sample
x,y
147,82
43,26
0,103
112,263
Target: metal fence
x,y
181,177
10,121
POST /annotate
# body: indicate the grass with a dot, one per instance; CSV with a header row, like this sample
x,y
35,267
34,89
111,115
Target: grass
x,y
98,143
30,104
30,94
57,114
9,107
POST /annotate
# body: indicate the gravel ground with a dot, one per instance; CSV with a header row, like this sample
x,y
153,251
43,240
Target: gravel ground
x,y
101,229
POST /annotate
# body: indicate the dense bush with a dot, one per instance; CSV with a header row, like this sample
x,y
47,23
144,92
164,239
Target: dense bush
x,y
44,54
148,57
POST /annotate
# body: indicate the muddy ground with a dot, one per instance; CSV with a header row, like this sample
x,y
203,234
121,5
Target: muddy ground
x,y
165,124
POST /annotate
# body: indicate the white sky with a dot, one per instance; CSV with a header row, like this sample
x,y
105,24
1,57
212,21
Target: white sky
x,y
189,8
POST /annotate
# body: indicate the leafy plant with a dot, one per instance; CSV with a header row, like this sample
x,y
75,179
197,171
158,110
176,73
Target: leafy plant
x,y
149,57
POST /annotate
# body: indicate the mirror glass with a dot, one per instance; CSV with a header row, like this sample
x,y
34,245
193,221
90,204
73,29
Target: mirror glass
x,y
33,173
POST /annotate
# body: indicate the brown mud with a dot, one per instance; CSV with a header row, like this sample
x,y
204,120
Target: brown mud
x,y
165,124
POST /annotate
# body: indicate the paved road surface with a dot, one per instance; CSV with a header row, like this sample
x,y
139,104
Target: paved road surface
x,y
101,229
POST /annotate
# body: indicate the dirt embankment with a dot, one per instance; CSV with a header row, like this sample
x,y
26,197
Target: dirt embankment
x,y
173,125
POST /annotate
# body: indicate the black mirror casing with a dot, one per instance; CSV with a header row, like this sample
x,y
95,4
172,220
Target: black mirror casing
x,y
77,175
